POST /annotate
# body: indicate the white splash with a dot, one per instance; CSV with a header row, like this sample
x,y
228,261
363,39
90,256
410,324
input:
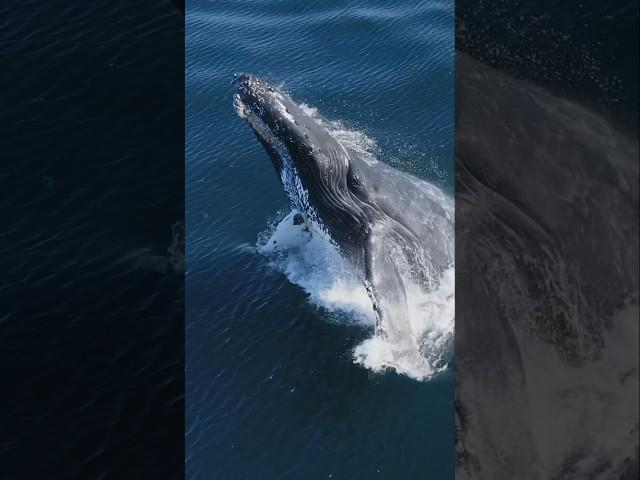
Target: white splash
x,y
431,320
311,261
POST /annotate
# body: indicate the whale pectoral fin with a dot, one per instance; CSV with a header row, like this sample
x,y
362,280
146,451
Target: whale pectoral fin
x,y
368,283
386,289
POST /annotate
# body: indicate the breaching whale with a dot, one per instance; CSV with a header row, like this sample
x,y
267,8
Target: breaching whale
x,y
394,228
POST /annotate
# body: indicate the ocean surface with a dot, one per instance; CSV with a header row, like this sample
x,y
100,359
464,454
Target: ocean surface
x,y
92,178
273,389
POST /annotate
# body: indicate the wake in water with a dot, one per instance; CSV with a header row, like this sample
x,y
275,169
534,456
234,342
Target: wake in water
x,y
309,259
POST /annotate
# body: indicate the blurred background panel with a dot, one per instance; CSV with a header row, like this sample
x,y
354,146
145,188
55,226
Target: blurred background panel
x,y
546,240
91,247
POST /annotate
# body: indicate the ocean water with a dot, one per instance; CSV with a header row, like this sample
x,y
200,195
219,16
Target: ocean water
x,y
274,388
92,312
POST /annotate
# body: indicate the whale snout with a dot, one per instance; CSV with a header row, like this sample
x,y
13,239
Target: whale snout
x,y
275,109
245,87
244,83
253,90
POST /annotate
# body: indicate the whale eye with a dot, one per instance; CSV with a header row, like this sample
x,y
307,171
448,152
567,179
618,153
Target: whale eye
x,y
354,180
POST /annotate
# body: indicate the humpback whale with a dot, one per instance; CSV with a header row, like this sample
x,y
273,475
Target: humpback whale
x,y
395,230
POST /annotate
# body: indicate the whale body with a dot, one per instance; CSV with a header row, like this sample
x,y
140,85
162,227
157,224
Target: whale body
x,y
395,230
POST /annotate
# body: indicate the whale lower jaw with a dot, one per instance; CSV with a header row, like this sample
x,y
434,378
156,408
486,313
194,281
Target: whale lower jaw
x,y
289,177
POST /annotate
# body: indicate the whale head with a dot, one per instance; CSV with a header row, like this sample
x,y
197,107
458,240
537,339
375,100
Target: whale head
x,y
317,172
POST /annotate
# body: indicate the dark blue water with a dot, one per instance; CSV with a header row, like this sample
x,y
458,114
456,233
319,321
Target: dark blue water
x,y
92,182
272,390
